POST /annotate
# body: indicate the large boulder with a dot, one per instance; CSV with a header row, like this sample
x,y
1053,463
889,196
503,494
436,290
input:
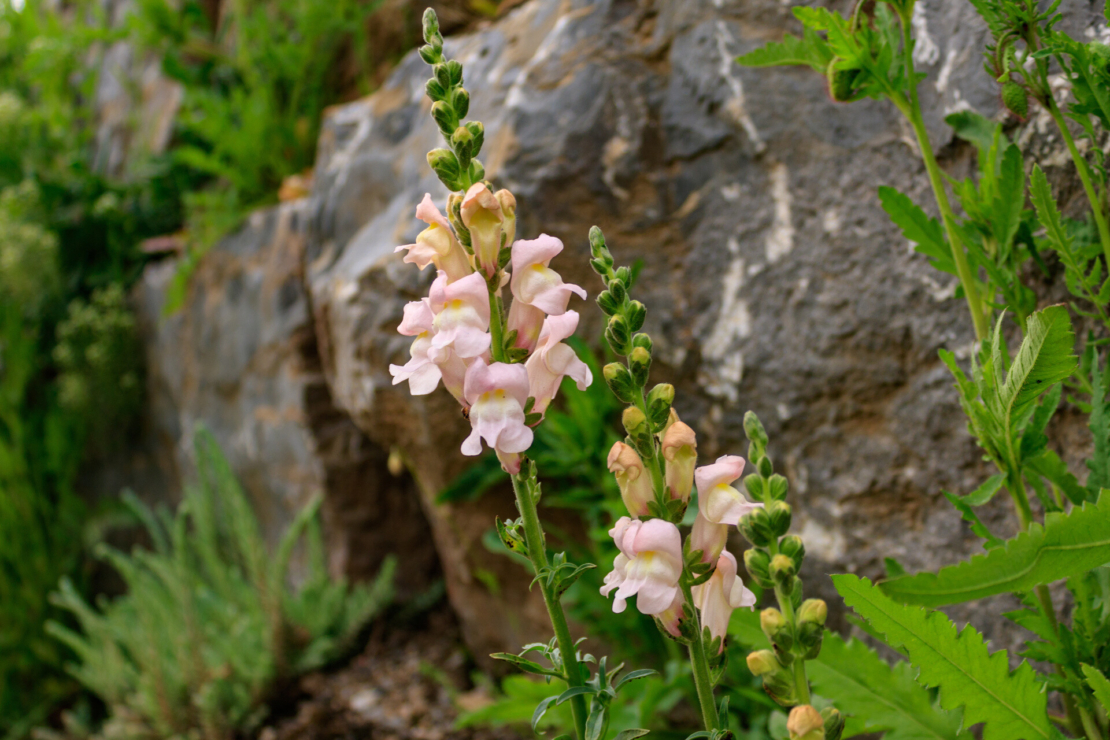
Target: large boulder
x,y
773,279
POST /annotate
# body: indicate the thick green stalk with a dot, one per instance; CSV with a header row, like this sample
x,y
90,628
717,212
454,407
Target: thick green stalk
x,y
496,328
801,682
655,463
700,665
1085,176
1090,727
537,553
911,109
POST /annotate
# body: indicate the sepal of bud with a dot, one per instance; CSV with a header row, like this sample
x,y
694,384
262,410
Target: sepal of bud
x,y
617,334
805,723
758,564
431,55
446,166
606,303
793,547
779,513
430,26
455,74
659,402
766,467
636,313
444,116
754,485
756,527
782,570
643,340
624,275
619,381
435,90
461,100
639,362
477,171
442,75
778,486
834,723
619,291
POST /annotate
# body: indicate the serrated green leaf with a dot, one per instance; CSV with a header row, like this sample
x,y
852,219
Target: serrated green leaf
x,y
972,518
525,665
809,50
926,233
1099,685
1099,424
1067,545
1049,465
884,698
974,128
1043,359
985,492
1012,705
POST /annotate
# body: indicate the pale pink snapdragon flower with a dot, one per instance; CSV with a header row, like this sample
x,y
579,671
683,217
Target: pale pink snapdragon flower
x,y
482,216
680,451
462,316
717,597
552,359
437,245
708,537
718,501
497,394
537,289
427,367
634,482
648,567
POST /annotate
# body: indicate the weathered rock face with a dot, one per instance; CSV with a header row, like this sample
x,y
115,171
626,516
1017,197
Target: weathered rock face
x,y
240,358
773,279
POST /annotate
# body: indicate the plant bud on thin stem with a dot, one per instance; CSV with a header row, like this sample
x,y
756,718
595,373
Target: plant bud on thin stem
x,y
659,402
508,206
771,621
834,723
617,334
642,340
620,293
636,314
624,275
792,547
782,570
430,24
607,303
461,100
756,434
619,381
779,514
756,527
635,423
680,451
763,662
813,611
635,485
766,468
805,723
778,487
640,364
455,73
758,564
446,166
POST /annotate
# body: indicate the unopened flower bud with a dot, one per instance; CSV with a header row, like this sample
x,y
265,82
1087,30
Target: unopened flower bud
x,y
446,166
659,402
461,100
636,314
811,626
431,55
635,484
455,72
782,570
763,663
805,723
779,514
619,381
753,430
766,467
639,361
771,621
461,141
508,206
441,74
754,485
792,547
813,611
680,451
619,291
1015,99
430,25
607,304
778,487
477,171
478,131
642,340
842,82
756,527
635,423
597,243
433,89
617,334
834,723
758,564
624,275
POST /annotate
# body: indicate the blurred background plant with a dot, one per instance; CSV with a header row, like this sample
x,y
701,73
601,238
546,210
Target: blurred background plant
x,y
209,626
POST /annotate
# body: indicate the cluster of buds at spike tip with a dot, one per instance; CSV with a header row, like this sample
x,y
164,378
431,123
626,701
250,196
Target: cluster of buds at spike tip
x,y
504,370
457,167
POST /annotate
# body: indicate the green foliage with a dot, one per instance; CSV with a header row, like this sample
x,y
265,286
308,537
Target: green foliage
x,y
1067,545
1099,684
1099,424
879,697
1012,705
99,359
209,625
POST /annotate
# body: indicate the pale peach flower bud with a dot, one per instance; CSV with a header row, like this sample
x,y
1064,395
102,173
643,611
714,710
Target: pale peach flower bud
x,y
805,723
680,450
634,481
481,212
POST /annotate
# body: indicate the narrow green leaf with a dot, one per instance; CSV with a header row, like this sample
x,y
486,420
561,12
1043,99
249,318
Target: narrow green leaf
x,y
1012,705
1049,465
541,709
633,675
630,734
1099,685
572,692
972,518
884,698
1067,545
597,721
810,50
525,665
974,128
926,233
1099,424
985,492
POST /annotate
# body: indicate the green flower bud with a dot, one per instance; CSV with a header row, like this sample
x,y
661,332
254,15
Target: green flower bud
x,y
753,430
763,663
461,100
434,90
779,514
462,141
805,723
842,82
756,527
624,275
635,423
782,570
659,402
639,363
599,266
446,166
813,611
754,485
617,334
445,118
793,547
606,303
771,622
441,74
778,486
636,314
834,723
478,131
619,381
597,243
430,54
477,171
766,467
643,340
431,28
455,74
758,563
619,291
1015,99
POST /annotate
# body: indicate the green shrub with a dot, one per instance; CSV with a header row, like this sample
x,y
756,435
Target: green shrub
x,y
209,625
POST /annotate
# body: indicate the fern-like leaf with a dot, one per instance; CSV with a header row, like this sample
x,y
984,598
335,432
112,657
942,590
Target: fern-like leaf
x,y
809,50
1012,705
1067,545
1099,684
877,696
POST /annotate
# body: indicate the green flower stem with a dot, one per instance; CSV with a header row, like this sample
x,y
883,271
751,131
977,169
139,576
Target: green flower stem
x,y
1090,727
496,327
801,681
700,665
911,109
655,462
537,553
1085,176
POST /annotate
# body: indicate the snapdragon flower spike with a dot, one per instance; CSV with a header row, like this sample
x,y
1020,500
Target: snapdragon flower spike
x,y
718,501
437,245
708,537
422,374
536,288
648,567
717,597
497,394
552,360
635,483
481,213
680,451
461,316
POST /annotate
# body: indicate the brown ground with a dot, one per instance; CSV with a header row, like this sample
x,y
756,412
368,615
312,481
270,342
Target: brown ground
x,y
406,685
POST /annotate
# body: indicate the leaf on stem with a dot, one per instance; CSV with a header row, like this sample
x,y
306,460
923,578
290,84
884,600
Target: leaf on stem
x,y
1099,685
